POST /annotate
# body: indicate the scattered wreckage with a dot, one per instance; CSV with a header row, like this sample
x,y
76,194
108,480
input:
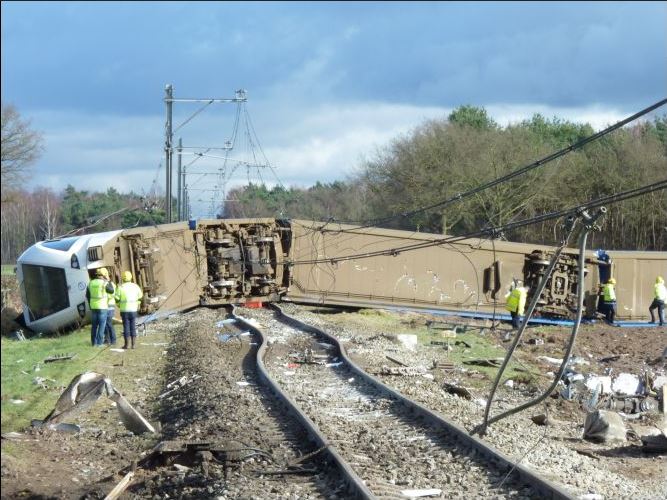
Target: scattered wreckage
x,y
82,392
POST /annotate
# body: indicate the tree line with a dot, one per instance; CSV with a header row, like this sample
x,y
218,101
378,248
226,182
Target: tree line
x,y
443,157
42,214
435,161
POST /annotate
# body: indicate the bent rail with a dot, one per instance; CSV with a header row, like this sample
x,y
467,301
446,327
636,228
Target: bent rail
x,y
546,488
355,485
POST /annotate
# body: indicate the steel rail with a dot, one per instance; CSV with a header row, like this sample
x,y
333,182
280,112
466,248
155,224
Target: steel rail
x,y
544,487
355,485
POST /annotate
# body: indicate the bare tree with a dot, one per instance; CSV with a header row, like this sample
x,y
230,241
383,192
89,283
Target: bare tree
x,y
21,146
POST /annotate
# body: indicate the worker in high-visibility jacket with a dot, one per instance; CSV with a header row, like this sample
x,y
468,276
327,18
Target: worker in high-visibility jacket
x,y
128,295
98,301
516,303
109,330
609,299
659,299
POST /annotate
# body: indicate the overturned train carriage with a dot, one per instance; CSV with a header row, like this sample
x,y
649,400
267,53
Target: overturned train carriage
x,y
235,261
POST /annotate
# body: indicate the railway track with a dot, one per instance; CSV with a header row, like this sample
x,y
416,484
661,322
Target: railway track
x,y
224,405
385,445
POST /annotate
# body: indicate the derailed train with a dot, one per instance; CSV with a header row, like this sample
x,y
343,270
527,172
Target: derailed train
x,y
220,261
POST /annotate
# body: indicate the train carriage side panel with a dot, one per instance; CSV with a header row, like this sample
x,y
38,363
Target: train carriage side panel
x,y
635,274
470,274
441,276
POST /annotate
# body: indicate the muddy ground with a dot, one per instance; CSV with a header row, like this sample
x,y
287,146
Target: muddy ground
x,y
41,464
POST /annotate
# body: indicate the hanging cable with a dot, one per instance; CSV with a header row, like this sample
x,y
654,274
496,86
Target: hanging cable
x,y
589,225
516,173
605,200
193,115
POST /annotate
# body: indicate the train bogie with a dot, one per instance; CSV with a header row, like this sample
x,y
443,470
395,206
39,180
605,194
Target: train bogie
x,y
223,261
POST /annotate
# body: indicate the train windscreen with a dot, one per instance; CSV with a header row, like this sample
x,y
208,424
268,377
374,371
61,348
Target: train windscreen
x,y
45,290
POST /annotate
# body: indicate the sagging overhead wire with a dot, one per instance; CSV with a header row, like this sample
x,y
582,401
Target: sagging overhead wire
x,y
589,224
516,173
491,231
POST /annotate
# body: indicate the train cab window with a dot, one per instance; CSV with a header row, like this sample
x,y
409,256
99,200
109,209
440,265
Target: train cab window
x,y
63,245
45,290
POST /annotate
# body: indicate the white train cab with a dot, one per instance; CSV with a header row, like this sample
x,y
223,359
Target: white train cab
x,y
53,277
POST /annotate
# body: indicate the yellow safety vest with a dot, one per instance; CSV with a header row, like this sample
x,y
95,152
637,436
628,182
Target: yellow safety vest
x,y
129,294
98,295
608,293
660,291
111,298
516,302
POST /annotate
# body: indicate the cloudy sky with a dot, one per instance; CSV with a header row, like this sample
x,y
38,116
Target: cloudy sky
x,y
328,83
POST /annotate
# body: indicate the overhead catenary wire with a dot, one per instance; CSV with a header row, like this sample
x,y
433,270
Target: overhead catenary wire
x,y
605,200
516,173
589,221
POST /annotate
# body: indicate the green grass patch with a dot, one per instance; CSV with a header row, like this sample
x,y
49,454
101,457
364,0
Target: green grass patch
x,y
481,346
8,269
23,361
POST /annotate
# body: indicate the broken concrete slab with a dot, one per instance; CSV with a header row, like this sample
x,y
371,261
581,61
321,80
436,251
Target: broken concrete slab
x,y
604,426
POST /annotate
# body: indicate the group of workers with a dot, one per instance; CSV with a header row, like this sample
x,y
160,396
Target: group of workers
x,y
102,295
516,301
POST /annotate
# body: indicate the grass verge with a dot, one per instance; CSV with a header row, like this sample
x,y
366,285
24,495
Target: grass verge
x,y
481,346
23,366
8,269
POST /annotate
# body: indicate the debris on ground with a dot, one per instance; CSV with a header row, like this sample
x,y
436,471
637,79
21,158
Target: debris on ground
x,y
177,384
431,492
60,357
493,362
397,361
408,371
457,390
308,357
83,391
542,419
627,383
443,365
122,485
604,426
409,340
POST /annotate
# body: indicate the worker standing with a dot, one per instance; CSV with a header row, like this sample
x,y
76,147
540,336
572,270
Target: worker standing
x,y
659,298
129,296
109,330
609,299
516,302
96,294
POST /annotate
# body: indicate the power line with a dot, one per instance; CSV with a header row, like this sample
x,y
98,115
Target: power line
x,y
489,232
518,172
